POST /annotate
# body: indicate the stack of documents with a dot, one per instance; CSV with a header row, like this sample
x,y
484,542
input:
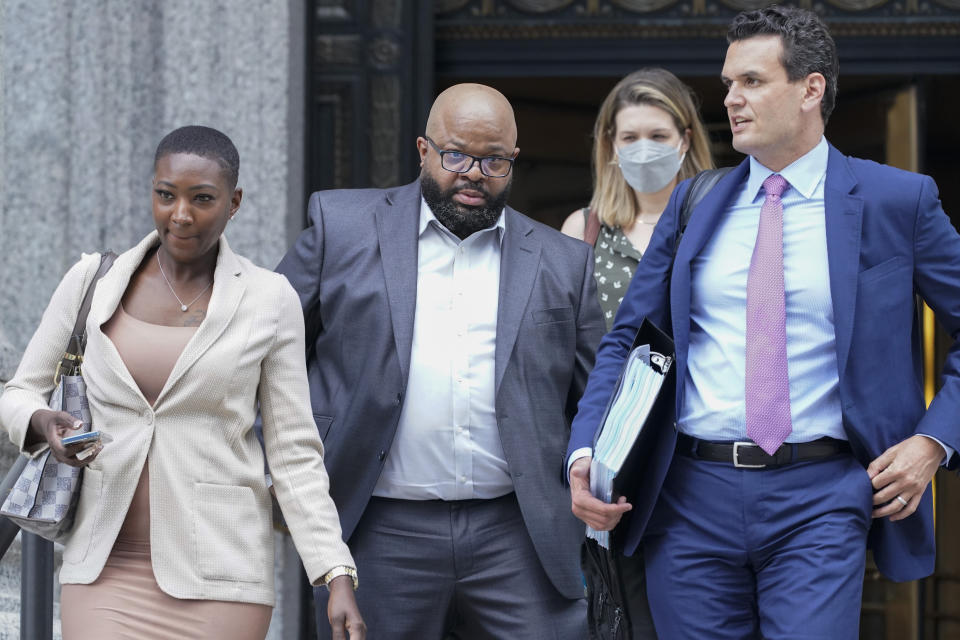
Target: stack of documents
x,y
627,412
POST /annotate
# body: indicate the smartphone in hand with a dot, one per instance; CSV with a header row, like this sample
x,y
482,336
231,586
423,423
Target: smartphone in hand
x,y
91,440
90,436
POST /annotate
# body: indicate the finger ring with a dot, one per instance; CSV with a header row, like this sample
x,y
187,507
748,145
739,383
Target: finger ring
x,y
902,501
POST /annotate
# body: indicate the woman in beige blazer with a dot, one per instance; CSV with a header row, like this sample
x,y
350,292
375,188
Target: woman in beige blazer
x,y
173,535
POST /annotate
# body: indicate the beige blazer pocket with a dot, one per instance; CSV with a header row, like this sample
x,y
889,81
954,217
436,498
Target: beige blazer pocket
x,y
88,513
229,540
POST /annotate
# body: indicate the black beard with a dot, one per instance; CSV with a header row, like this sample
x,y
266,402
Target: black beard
x,y
460,219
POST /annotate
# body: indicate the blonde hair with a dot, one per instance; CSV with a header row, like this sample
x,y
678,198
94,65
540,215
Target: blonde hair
x,y
613,198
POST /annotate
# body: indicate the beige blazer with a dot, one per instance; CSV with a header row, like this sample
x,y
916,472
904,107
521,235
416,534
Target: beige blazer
x,y
210,515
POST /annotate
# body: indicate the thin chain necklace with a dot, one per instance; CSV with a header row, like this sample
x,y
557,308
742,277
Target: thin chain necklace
x,y
183,307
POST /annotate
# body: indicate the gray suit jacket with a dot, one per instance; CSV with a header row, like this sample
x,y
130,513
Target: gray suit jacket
x,y
355,269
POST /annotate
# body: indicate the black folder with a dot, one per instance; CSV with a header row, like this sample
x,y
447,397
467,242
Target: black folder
x,y
640,462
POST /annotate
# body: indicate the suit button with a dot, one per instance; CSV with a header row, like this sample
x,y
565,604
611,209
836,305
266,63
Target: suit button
x,y
399,398
381,455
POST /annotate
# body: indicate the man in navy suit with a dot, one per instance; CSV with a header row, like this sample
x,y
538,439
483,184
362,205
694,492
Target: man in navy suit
x,y
801,435
450,339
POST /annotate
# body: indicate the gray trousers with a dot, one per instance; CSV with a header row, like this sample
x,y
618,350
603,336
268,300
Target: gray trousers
x,y
464,570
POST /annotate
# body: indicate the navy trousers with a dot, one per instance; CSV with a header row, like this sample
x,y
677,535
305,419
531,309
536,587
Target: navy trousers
x,y
775,553
463,570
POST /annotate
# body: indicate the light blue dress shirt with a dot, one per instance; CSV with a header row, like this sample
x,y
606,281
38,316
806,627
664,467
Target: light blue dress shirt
x,y
712,407
713,402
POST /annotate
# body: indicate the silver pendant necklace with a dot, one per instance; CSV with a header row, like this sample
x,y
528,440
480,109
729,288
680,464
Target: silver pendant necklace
x,y
183,307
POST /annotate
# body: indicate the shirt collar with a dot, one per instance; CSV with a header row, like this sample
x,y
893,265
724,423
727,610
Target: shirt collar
x,y
803,174
427,217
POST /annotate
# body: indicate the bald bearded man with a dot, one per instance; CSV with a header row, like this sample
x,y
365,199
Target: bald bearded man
x,y
449,341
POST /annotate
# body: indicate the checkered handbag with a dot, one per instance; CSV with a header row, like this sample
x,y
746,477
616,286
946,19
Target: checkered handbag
x,y
43,492
43,499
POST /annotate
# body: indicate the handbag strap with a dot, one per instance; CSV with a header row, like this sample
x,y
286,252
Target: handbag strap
x,y
701,185
591,227
73,355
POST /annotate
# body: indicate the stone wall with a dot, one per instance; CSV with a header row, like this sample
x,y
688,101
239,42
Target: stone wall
x,y
87,89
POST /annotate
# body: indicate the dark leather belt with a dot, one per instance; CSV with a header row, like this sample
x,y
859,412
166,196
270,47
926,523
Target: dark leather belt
x,y
747,455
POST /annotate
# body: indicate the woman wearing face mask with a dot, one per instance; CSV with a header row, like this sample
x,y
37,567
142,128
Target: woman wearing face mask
x,y
648,136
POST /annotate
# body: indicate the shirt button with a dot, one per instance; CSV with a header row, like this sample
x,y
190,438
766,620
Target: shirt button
x,y
463,479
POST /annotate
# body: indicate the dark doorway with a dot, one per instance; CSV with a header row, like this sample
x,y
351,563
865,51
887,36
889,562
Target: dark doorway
x,y
555,117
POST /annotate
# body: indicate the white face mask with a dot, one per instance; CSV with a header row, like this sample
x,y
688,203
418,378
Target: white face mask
x,y
649,166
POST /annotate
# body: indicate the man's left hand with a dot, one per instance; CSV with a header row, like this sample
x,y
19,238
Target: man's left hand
x,y
903,472
342,611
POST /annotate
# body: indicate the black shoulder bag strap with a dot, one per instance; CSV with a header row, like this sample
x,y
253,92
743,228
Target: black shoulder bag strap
x,y
73,355
701,185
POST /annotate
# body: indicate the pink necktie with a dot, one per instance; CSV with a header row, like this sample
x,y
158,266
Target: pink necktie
x,y
767,382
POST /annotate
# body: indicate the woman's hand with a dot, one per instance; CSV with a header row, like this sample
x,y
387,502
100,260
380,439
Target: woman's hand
x,y
53,426
342,610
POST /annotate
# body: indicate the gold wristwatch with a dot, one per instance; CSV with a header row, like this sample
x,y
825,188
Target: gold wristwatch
x,y
336,572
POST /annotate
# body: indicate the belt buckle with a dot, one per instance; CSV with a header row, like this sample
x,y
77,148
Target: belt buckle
x,y
736,456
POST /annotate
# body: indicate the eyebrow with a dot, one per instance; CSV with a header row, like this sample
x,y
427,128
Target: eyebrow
x,y
196,187
494,150
657,130
749,73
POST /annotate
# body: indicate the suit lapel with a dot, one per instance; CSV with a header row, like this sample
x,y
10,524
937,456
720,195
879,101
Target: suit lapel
x,y
105,302
701,227
519,262
398,234
228,288
843,219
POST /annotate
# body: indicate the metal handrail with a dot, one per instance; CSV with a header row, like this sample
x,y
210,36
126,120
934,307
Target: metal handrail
x,y
36,588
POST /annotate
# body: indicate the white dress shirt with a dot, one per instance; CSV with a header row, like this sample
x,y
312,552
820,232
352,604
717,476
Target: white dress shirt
x,y
447,444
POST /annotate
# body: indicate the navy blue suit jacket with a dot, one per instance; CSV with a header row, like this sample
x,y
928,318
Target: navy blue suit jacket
x,y
887,240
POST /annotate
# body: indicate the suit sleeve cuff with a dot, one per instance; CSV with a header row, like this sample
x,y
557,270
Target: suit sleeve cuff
x,y
948,451
582,452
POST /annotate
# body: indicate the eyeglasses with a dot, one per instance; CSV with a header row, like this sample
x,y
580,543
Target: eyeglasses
x,y
460,162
